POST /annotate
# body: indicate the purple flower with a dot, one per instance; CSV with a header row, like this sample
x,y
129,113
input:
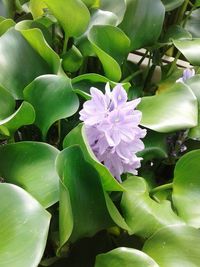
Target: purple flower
x,y
112,130
187,73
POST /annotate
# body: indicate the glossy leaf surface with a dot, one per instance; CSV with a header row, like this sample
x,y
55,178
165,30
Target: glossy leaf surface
x,y
77,137
7,103
186,188
52,98
190,48
31,165
172,4
118,7
14,49
111,46
143,22
23,228
125,257
88,206
174,246
172,109
24,115
73,16
143,215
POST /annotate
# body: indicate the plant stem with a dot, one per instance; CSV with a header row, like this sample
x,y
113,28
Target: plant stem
x,y
65,44
130,77
182,11
174,63
160,188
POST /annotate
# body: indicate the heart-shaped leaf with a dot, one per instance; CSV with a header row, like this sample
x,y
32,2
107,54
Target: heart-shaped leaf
x,y
186,188
172,109
88,206
143,215
73,16
31,165
194,83
143,22
5,25
124,257
7,103
190,48
172,4
111,46
52,98
24,227
77,137
17,57
118,7
25,115
175,246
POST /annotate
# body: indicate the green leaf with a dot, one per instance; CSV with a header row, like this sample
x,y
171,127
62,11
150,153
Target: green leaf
x,y
72,60
176,32
193,23
52,98
5,25
190,49
173,109
92,3
118,7
31,165
23,228
172,4
7,103
194,83
37,8
143,215
73,16
128,257
111,46
186,188
98,17
85,194
24,115
175,246
17,57
83,83
37,41
155,146
143,22
77,137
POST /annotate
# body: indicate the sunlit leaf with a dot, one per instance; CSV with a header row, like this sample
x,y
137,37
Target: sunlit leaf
x,y
73,16
124,257
88,206
23,228
175,246
172,4
111,46
52,98
118,7
31,165
186,188
37,8
17,57
143,22
24,115
172,109
143,215
77,137
190,48
5,25
7,103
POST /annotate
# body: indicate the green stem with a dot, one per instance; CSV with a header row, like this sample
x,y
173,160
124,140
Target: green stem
x,y
130,77
65,44
182,11
174,63
160,188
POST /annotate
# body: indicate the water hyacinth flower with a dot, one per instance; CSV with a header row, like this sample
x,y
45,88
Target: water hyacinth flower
x,y
111,125
187,74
